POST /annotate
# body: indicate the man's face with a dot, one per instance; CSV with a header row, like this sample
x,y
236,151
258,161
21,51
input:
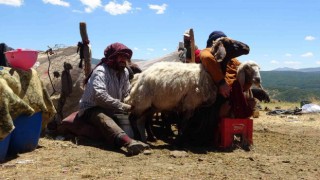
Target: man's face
x,y
186,38
122,61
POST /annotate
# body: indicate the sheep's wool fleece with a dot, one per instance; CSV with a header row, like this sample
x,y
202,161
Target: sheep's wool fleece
x,y
22,92
172,85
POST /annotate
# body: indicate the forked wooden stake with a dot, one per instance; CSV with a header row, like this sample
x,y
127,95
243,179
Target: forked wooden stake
x,y
86,48
193,56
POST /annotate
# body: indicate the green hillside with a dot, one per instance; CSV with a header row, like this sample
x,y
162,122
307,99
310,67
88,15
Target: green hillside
x,y
291,86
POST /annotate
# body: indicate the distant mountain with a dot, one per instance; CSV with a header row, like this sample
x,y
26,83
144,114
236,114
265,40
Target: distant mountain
x,y
316,69
285,69
95,61
310,69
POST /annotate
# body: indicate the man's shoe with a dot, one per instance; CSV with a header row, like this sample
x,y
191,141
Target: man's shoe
x,y
136,147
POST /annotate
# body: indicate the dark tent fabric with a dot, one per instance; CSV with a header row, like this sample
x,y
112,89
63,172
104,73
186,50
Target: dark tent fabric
x,y
172,57
3,59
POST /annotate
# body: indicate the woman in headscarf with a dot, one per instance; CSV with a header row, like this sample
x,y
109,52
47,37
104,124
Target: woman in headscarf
x,y
223,73
105,88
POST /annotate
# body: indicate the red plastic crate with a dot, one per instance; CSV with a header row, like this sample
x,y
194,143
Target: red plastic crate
x,y
230,127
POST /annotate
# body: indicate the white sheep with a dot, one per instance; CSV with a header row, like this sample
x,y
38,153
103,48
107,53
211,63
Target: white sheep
x,y
176,86
167,86
248,74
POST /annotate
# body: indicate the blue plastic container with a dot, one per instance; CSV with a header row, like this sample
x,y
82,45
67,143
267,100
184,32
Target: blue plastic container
x,y
4,145
25,136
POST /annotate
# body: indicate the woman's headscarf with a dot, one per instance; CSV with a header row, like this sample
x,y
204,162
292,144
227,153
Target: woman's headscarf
x,y
213,36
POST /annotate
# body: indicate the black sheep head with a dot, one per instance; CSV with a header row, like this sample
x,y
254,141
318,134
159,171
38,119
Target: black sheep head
x,y
227,48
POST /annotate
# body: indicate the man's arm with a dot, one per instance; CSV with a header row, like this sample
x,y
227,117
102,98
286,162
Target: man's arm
x,y
102,96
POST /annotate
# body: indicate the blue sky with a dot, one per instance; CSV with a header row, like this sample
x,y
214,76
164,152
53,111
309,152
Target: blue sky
x,y
280,33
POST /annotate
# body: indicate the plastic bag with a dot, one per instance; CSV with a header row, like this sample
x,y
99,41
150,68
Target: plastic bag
x,y
310,108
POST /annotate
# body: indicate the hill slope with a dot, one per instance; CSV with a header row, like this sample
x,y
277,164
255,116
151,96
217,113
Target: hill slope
x,y
316,69
292,85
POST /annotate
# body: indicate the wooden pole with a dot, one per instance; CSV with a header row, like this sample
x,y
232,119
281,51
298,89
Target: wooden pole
x,y
192,43
86,48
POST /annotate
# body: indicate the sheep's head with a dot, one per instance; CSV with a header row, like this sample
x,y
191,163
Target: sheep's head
x,y
249,73
256,76
226,48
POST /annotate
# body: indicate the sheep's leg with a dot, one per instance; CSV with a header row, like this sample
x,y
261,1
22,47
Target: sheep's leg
x,y
138,127
185,121
150,135
167,120
133,121
183,125
141,123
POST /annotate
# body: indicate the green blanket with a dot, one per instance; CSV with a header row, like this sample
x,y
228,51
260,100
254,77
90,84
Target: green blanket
x,y
22,92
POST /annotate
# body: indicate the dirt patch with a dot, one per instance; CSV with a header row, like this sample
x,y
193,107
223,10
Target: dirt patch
x,y
284,148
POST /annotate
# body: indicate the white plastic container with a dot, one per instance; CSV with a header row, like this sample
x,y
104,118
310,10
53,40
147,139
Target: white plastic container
x,y
124,123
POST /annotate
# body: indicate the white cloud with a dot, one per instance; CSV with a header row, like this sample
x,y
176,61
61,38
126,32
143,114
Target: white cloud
x,y
293,63
308,54
90,5
274,62
88,10
165,49
288,55
12,2
115,9
136,49
57,2
309,38
158,8
250,60
318,62
150,49
77,11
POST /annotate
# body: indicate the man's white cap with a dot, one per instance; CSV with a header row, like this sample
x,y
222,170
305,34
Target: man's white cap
x,y
187,33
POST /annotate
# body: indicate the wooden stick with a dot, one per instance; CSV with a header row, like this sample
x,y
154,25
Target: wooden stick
x,y
86,48
192,43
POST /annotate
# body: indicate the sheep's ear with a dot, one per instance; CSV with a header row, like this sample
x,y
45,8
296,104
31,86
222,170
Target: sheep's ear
x,y
218,51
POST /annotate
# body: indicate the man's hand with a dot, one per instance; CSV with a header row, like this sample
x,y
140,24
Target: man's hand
x,y
224,90
126,107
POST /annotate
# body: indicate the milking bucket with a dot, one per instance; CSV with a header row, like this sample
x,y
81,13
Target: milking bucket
x,y
124,123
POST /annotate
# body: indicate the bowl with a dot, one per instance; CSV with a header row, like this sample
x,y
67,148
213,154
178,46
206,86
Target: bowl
x,y
26,134
22,58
